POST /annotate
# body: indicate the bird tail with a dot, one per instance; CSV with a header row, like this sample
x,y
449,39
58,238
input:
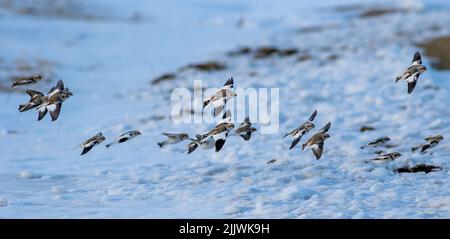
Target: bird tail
x,y
13,85
398,78
162,144
23,108
303,147
414,149
363,147
109,145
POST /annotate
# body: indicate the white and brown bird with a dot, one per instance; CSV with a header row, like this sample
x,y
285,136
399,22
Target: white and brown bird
x,y
221,97
317,141
125,137
412,73
26,80
245,130
52,102
36,99
302,130
376,142
387,157
219,133
208,143
91,142
173,139
431,142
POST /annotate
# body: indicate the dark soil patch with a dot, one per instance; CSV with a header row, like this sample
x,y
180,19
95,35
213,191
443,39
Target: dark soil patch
x,y
365,128
240,51
162,78
418,168
206,66
439,50
378,12
263,52
64,9
304,57
311,29
268,51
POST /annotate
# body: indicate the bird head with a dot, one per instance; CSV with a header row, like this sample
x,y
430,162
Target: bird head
x,y
37,77
184,136
422,69
396,154
309,125
230,126
136,133
326,136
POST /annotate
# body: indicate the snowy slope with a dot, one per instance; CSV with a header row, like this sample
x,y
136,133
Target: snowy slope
x,y
108,54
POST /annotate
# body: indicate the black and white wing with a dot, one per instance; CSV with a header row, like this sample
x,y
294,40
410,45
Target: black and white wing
x,y
297,137
33,93
42,112
417,59
412,81
54,111
56,89
87,148
169,135
229,84
317,150
325,128
313,116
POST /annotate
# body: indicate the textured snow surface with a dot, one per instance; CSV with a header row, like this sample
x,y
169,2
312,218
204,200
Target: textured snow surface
x,y
109,62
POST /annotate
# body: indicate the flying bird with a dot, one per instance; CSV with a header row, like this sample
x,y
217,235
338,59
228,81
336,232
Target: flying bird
x,y
124,137
245,130
208,143
412,73
53,105
317,141
26,80
219,133
173,139
302,130
220,99
376,142
53,101
91,142
36,99
387,157
431,142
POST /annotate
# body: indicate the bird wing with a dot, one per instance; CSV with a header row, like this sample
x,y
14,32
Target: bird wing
x,y
87,149
313,116
54,111
41,113
229,84
325,128
58,88
295,142
417,59
412,83
219,144
32,93
191,147
171,135
217,111
318,150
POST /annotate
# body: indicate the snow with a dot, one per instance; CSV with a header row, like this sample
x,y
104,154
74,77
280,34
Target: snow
x,y
108,63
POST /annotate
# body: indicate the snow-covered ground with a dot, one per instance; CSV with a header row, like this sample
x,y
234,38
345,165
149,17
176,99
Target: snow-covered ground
x,y
107,54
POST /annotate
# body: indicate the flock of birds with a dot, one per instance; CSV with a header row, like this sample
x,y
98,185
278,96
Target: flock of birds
x,y
216,137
